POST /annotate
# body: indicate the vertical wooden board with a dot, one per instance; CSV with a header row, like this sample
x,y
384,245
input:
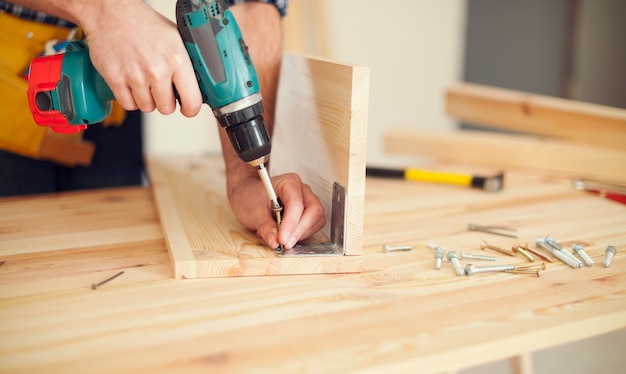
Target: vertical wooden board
x,y
320,134
321,117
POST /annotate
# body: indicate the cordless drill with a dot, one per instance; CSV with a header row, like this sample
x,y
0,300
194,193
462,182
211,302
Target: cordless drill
x,y
66,92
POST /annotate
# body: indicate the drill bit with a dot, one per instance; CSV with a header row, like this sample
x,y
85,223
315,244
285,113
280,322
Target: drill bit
x,y
271,194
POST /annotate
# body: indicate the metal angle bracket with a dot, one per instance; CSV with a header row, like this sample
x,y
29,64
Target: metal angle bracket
x,y
335,246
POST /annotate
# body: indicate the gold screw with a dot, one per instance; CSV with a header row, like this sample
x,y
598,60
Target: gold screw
x,y
521,251
542,256
484,246
530,270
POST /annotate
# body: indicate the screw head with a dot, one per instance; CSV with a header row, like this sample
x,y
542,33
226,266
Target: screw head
x,y
451,255
610,249
469,269
484,245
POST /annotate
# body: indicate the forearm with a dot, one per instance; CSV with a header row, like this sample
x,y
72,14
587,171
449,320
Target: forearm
x,y
81,12
260,25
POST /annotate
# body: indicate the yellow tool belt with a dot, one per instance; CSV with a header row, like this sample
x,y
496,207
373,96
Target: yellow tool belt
x,y
20,42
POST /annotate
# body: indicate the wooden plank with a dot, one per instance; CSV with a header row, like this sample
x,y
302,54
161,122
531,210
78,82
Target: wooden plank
x,y
522,364
106,217
322,118
537,114
204,238
320,134
364,322
505,150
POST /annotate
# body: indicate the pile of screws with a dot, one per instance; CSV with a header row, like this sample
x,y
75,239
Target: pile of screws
x,y
549,246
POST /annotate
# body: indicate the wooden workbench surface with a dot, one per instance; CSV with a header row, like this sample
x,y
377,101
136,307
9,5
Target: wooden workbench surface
x,y
400,313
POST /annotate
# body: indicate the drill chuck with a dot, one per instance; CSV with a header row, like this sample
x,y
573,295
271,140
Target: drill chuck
x,y
244,124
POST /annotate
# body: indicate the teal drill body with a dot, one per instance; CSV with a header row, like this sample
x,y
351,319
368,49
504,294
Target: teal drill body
x,y
224,68
67,93
97,101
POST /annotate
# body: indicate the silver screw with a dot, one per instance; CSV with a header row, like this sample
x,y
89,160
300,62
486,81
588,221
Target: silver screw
x,y
439,257
471,269
395,248
455,262
609,253
541,242
552,242
580,251
440,250
432,245
471,256
561,256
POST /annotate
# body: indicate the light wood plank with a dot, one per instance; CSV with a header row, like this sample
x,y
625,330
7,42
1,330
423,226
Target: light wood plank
x,y
204,238
505,150
320,134
522,364
361,322
538,114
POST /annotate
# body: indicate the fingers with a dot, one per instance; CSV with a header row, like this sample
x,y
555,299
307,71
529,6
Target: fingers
x,y
188,90
303,214
152,89
142,75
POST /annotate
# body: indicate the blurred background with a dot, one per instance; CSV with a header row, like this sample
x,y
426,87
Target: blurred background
x,y
415,49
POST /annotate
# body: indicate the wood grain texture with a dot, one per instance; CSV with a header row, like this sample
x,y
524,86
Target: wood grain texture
x,y
203,236
25,230
555,157
538,114
321,131
398,315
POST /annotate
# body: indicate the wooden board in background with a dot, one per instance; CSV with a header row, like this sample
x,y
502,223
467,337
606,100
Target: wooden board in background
x,y
554,157
320,134
538,114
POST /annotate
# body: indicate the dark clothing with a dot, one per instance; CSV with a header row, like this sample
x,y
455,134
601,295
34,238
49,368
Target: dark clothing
x,y
117,161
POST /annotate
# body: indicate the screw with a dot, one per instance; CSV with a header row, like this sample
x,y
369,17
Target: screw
x,y
561,255
522,251
432,245
438,254
580,251
455,262
395,248
520,272
536,252
484,246
532,267
471,256
609,253
552,242
471,269
439,257
278,211
96,285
